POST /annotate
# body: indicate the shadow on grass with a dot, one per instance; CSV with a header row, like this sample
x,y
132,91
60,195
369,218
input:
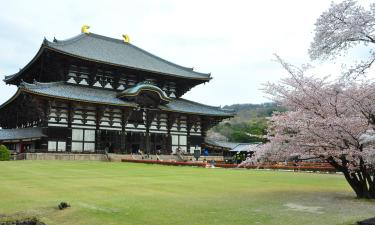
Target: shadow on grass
x,y
29,217
23,221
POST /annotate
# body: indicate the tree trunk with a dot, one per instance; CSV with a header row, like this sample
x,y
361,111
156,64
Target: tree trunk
x,y
362,181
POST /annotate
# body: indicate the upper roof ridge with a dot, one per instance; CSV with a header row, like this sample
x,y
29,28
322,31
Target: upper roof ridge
x,y
115,52
65,41
118,41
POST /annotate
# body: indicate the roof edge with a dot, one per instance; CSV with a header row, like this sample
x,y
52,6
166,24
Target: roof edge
x,y
205,79
46,44
28,88
39,135
210,106
10,78
228,114
80,36
18,92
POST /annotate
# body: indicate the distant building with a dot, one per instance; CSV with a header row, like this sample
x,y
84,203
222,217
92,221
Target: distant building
x,y
228,149
92,93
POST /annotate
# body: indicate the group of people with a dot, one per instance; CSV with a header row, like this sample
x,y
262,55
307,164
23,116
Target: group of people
x,y
239,157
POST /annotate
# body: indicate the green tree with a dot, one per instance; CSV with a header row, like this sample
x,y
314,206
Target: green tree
x,y
238,136
4,153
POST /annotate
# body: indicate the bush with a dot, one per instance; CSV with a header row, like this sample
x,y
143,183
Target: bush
x,y
63,205
4,153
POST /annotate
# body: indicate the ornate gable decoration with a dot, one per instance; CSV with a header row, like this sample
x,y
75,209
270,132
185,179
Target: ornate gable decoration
x,y
145,94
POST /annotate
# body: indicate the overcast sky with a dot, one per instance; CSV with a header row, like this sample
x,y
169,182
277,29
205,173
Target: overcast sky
x,y
234,40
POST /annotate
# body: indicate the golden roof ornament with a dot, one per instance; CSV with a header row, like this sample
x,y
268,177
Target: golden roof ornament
x,y
126,38
85,29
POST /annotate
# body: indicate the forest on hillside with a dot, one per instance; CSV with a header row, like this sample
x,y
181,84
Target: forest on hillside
x,y
249,124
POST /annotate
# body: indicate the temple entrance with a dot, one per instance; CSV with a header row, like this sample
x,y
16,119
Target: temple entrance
x,y
135,148
111,141
158,143
133,142
25,147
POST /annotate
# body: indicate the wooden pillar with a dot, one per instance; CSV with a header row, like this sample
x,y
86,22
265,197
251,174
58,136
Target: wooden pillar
x,y
170,121
147,134
165,144
147,142
64,69
99,112
189,125
70,120
150,116
125,115
123,133
205,124
93,70
142,142
128,147
46,111
168,139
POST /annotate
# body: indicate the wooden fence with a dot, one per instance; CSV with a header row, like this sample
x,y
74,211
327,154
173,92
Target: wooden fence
x,y
302,166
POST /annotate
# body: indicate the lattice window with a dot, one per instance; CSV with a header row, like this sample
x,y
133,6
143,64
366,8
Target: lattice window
x,y
122,84
83,140
78,75
104,79
56,146
179,142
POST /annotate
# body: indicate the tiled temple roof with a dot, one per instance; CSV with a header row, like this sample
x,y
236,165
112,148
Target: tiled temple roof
x,y
187,106
76,93
116,52
246,147
233,146
222,144
61,90
21,133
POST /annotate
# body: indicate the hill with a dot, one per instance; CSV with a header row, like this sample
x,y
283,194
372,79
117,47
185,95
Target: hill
x,y
249,124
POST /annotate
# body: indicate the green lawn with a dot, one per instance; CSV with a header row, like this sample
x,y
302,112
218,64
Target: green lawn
x,y
124,193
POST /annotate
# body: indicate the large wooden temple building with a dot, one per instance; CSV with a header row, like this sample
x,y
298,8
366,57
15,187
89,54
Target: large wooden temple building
x,y
92,93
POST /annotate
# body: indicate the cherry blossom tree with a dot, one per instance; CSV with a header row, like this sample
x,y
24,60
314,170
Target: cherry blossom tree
x,y
330,120
343,26
333,120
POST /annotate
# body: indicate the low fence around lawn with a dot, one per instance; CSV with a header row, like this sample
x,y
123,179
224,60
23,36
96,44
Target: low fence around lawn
x,y
60,156
299,166
170,163
313,167
175,163
171,160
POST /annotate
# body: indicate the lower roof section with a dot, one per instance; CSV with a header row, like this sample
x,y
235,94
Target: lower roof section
x,y
21,134
221,144
233,146
187,106
63,91
246,147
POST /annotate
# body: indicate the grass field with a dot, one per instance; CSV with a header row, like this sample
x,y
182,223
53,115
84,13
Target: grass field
x,y
124,193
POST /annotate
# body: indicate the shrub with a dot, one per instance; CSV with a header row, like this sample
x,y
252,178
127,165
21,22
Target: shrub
x,y
63,205
4,153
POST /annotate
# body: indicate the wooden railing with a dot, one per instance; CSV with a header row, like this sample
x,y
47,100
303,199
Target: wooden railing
x,y
63,152
297,166
170,163
314,167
